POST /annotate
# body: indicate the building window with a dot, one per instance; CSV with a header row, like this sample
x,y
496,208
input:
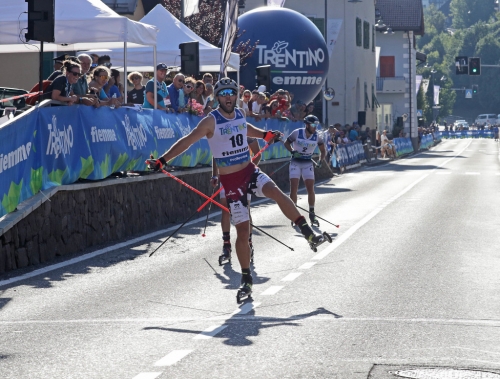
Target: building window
x,y
373,38
359,32
387,67
320,24
366,34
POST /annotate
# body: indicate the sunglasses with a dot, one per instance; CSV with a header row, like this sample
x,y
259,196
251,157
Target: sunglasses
x,y
188,86
314,124
247,96
180,80
75,73
227,92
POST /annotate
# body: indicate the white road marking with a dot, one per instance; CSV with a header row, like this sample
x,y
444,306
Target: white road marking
x,y
307,265
443,173
340,240
170,359
210,332
245,308
148,375
272,290
292,276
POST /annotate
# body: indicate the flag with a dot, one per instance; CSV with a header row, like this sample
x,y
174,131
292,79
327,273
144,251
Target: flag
x,y
276,3
191,7
333,30
436,94
230,28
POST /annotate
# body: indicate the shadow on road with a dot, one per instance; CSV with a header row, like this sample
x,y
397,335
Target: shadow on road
x,y
239,328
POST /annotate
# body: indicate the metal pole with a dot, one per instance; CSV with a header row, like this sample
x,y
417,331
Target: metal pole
x,y
182,11
125,80
325,103
40,73
155,78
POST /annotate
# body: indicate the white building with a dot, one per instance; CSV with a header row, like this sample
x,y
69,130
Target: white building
x,y
352,65
396,63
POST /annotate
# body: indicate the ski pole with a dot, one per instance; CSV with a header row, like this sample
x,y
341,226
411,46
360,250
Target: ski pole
x,y
279,168
267,234
208,214
338,226
189,218
326,163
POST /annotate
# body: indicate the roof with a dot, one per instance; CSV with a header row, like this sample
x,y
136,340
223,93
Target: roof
x,y
122,6
402,15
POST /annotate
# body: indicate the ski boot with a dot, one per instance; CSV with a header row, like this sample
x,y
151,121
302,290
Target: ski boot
x,y
317,240
245,290
314,220
226,254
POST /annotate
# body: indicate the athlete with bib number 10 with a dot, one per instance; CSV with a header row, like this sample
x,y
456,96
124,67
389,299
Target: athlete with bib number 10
x,y
226,130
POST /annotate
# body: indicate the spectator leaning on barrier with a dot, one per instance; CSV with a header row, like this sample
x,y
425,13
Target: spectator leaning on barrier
x,y
95,58
100,76
298,110
136,94
58,65
61,89
174,89
59,72
245,98
162,95
388,148
185,94
81,87
116,88
208,78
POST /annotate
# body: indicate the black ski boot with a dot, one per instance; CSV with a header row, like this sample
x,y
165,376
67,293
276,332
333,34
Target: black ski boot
x,y
313,219
245,290
226,254
312,238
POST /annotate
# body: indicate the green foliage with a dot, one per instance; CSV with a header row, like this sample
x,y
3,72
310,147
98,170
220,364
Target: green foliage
x,y
36,180
11,200
87,167
466,13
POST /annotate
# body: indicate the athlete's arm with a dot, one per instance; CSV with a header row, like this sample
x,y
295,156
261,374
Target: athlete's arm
x,y
204,128
323,151
255,148
253,131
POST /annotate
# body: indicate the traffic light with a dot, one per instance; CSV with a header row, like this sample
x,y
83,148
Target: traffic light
x,y
474,66
461,65
474,88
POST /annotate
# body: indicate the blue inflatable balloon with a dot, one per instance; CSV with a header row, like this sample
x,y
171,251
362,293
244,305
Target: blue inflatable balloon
x,y
291,44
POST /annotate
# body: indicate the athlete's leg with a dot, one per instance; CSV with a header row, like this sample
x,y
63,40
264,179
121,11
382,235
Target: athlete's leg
x,y
294,187
271,191
242,246
311,196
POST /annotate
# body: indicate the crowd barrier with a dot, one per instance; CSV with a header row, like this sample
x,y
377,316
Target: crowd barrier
x,y
59,145
468,134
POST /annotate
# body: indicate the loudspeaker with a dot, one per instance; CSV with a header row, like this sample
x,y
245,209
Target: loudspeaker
x,y
399,122
190,58
361,118
40,20
264,76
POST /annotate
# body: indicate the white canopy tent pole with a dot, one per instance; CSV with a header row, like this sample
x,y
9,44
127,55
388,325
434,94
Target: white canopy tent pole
x,y
125,80
155,80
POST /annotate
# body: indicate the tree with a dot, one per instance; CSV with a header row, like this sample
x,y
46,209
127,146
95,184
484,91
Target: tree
x,y
466,13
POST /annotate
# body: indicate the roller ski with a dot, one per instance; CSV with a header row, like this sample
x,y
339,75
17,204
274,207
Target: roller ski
x,y
318,240
245,290
226,255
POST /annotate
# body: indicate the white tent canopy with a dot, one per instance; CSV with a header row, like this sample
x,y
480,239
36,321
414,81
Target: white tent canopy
x,y
171,33
79,25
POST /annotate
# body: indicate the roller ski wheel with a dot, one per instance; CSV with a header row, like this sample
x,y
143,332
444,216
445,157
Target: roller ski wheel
x,y
226,255
244,293
318,240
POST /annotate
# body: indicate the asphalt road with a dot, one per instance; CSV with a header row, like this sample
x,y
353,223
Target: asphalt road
x,y
411,279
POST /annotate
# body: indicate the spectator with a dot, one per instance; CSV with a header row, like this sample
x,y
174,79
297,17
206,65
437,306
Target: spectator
x,y
284,111
388,147
343,138
81,87
208,98
104,60
245,98
95,58
298,111
185,93
255,96
100,76
56,73
353,133
257,106
61,89
377,144
261,88
273,108
116,88
208,78
162,95
58,65
199,90
136,95
310,108
174,89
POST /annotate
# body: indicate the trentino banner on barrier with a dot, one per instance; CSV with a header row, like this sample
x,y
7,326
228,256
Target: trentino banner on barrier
x,y
59,145
468,134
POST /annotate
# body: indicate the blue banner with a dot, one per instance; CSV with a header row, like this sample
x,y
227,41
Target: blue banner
x,y
468,134
348,154
403,146
426,141
59,145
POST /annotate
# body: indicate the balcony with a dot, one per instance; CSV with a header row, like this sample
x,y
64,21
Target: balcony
x,y
396,84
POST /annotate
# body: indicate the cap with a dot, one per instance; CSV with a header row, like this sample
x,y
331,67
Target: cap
x,y
161,66
262,88
61,58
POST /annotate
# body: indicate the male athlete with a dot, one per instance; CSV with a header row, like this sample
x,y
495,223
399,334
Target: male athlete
x,y
225,221
226,130
302,143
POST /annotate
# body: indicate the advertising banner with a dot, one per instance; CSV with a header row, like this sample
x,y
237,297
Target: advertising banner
x,y
403,146
59,145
